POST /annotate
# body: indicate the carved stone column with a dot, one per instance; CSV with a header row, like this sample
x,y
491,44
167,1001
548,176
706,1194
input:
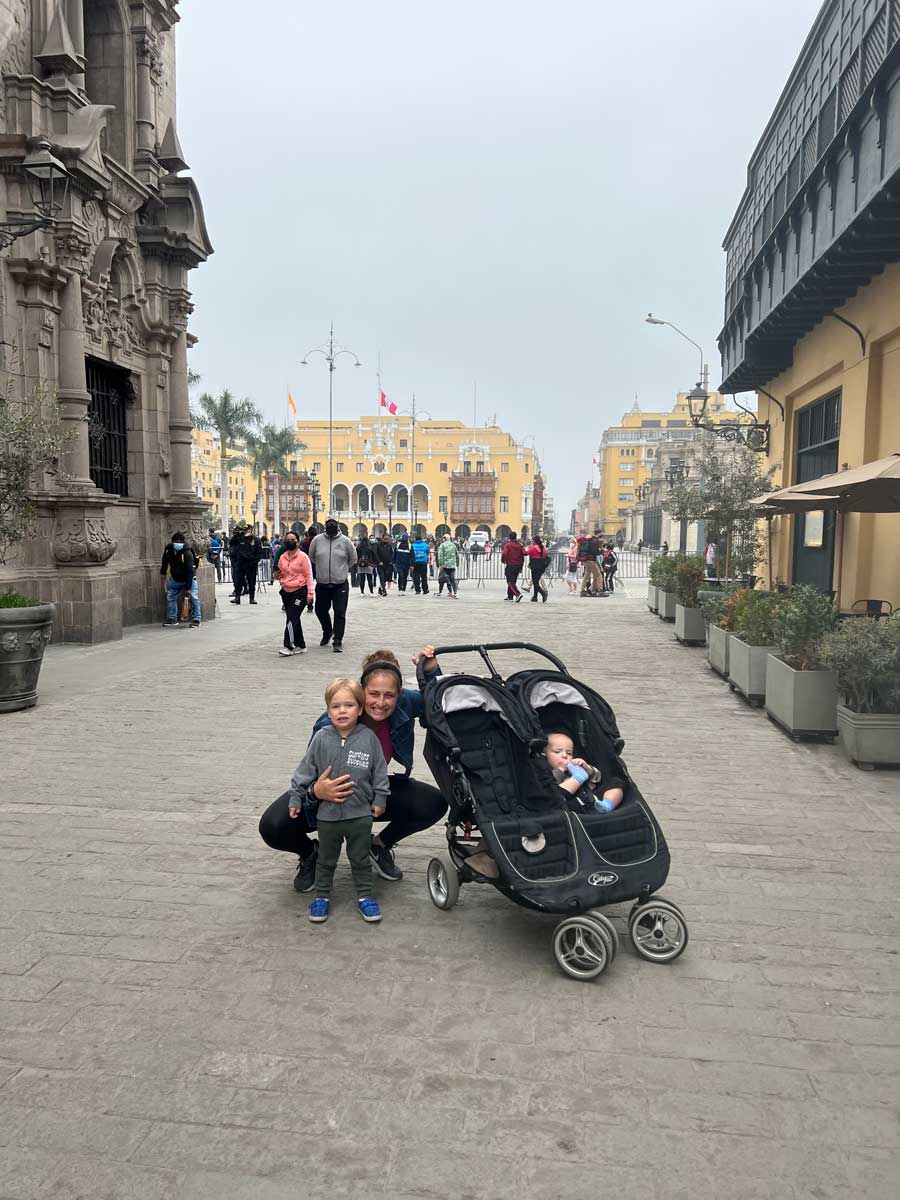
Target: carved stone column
x,y
149,59
74,398
180,423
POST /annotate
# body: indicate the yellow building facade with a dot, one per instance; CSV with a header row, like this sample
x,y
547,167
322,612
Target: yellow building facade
x,y
440,475
628,453
243,489
857,397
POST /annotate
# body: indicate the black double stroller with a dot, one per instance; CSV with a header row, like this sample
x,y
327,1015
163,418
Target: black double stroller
x,y
510,825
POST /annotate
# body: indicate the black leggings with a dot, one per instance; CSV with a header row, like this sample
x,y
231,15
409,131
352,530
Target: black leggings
x,y
412,806
536,572
366,575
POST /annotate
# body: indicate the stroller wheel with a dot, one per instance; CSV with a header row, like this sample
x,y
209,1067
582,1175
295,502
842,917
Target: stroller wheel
x,y
658,930
443,882
580,947
607,929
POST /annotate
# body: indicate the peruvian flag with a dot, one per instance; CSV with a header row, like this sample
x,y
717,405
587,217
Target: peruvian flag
x,y
389,405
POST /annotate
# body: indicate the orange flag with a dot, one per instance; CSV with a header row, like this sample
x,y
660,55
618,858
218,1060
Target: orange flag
x,y
291,405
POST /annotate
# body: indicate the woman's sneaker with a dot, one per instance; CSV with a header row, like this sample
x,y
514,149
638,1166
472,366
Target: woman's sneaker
x,y
382,859
318,910
368,910
305,878
285,653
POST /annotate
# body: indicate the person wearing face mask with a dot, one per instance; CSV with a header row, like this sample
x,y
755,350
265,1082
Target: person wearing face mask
x,y
332,554
294,572
180,563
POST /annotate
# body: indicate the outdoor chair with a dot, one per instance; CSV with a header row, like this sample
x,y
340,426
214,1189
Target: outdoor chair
x,y
872,608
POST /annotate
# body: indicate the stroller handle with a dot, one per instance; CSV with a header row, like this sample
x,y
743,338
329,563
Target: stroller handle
x,y
482,649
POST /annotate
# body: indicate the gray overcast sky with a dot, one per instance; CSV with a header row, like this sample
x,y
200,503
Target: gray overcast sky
x,y
490,190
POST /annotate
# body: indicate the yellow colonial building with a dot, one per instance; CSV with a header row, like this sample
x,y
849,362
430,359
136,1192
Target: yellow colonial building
x,y
812,303
442,476
628,453
243,490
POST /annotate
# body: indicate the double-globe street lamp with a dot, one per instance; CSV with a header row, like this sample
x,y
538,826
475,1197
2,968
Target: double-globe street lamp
x,y
331,355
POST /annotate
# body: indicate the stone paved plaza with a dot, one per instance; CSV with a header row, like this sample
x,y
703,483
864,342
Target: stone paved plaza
x,y
173,1028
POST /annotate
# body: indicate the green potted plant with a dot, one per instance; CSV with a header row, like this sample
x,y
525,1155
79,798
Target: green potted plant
x,y
657,568
31,441
801,694
865,654
690,573
718,611
665,585
752,643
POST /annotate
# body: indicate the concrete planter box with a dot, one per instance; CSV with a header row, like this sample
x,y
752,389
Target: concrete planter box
x,y
690,627
747,669
804,703
717,655
666,605
869,739
653,597
24,632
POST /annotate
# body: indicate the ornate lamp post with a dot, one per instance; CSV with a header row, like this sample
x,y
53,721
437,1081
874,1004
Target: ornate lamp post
x,y
48,181
390,510
753,433
312,482
330,355
254,509
414,413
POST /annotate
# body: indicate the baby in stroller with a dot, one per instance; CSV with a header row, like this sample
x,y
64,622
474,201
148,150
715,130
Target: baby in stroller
x,y
583,782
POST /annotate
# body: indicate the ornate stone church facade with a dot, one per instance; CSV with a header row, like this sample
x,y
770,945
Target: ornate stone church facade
x,y
96,310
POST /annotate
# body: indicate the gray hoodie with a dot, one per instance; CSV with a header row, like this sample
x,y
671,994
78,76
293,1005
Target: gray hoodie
x,y
332,558
358,755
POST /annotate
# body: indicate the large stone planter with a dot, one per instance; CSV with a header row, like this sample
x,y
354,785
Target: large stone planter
x,y
719,642
747,669
804,703
653,597
870,739
690,627
24,632
666,604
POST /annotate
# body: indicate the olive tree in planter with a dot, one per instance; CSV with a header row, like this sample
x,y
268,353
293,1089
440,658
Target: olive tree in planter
x,y
752,643
690,627
801,694
865,654
31,441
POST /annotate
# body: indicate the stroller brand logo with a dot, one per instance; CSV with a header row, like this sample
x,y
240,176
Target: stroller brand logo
x,y
602,878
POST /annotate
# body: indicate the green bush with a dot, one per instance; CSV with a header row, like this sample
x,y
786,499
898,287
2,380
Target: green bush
x,y
660,567
690,573
733,600
754,617
802,620
15,600
866,656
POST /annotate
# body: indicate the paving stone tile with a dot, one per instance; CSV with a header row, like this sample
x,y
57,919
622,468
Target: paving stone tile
x,y
67,1129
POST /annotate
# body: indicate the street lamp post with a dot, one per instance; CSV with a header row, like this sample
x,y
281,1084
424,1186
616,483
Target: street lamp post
x,y
330,355
753,433
312,483
254,509
413,414
390,510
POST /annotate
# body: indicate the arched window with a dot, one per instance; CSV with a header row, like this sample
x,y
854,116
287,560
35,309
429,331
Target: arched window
x,y
106,50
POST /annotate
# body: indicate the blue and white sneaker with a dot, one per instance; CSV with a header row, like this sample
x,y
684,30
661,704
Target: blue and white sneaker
x,y
368,910
318,910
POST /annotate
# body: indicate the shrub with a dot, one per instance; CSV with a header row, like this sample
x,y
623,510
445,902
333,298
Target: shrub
x,y
728,620
659,569
754,617
866,656
690,573
802,620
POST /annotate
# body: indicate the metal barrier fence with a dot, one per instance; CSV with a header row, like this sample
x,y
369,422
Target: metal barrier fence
x,y
263,572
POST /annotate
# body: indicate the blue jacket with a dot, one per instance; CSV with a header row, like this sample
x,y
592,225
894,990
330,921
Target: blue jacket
x,y
420,551
402,558
401,724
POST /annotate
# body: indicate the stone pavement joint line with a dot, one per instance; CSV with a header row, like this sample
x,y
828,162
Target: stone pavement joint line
x,y
172,1027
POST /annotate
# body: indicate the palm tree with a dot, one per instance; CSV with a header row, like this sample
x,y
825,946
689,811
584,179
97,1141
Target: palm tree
x,y
281,444
233,420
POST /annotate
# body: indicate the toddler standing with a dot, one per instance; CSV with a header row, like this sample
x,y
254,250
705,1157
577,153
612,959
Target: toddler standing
x,y
348,748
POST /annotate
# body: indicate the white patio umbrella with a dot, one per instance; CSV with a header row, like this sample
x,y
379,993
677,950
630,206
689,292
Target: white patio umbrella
x,y
787,500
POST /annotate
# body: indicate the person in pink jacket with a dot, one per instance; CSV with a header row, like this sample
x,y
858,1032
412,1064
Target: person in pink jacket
x,y
294,572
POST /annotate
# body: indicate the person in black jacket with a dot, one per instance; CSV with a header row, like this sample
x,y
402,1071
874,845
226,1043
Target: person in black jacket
x,y
180,563
384,558
246,551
